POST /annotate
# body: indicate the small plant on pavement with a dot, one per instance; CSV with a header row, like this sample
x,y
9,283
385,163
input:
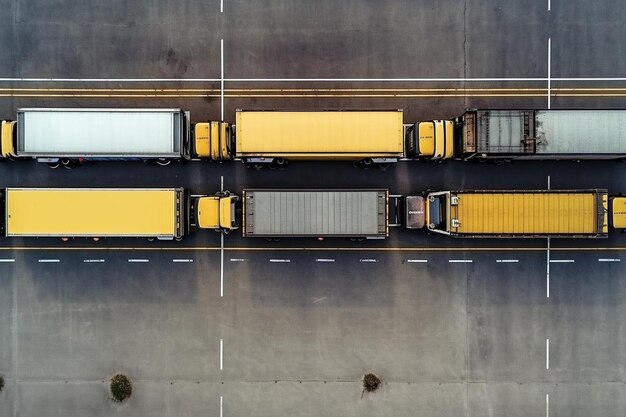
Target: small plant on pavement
x,y
121,388
371,382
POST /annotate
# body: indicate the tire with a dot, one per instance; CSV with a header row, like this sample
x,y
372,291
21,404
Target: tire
x,y
163,162
366,163
54,165
68,163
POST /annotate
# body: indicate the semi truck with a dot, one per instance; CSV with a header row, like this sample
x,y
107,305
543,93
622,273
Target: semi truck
x,y
161,213
517,213
61,136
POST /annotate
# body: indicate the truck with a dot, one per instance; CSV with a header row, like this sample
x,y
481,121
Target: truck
x,y
318,213
62,136
517,213
275,137
541,134
161,213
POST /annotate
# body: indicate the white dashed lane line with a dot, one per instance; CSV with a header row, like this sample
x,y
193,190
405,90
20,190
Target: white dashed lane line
x,y
460,261
608,260
50,261
507,261
280,260
417,261
138,260
7,260
369,260
562,261
324,260
547,353
237,260
182,260
93,261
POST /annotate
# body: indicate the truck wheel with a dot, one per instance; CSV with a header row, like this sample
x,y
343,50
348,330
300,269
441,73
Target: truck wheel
x,y
68,163
54,165
163,162
281,163
366,163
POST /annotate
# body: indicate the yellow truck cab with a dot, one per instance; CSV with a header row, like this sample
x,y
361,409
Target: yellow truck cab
x,y
217,212
212,140
433,140
618,212
7,139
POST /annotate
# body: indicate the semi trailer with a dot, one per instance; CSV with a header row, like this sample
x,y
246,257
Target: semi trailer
x,y
517,213
63,136
161,213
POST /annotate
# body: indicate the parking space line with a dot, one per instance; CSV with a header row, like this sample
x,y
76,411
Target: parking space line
x,y
324,260
222,190
507,261
548,261
547,405
7,260
182,260
562,261
280,260
608,260
549,5
138,260
417,261
222,79
460,261
221,354
547,353
221,406
549,69
90,261
370,260
49,261
222,6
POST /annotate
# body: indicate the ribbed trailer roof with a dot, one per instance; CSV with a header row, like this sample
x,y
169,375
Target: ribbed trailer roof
x,y
315,213
545,133
529,212
100,132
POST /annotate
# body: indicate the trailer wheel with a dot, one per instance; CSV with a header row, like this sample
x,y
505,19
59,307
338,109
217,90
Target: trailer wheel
x,y
68,163
163,162
178,239
53,165
281,163
366,163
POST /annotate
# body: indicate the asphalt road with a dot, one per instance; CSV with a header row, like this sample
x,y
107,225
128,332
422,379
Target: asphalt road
x,y
453,327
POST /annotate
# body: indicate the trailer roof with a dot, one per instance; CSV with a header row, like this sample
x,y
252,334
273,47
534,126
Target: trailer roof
x,y
315,213
110,132
91,212
319,132
530,213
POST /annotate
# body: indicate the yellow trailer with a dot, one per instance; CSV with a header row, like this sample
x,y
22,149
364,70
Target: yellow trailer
x,y
519,213
275,137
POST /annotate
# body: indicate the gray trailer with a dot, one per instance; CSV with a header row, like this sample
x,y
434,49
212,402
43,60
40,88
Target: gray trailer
x,y
317,213
541,134
54,134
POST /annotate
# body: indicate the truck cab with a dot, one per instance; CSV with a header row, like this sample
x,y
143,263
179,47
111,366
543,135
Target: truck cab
x,y
7,139
212,140
217,212
432,140
618,212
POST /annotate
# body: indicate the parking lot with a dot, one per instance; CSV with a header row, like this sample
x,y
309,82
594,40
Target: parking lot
x,y
243,326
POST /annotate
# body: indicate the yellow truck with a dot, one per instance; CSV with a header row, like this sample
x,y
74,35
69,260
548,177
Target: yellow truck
x,y
162,213
517,213
275,137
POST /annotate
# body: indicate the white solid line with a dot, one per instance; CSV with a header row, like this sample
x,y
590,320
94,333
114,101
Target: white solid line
x,y
221,264
222,6
237,259
139,260
7,260
549,5
369,260
49,260
93,261
547,353
280,260
221,354
347,80
324,260
548,270
562,261
547,405
549,69
182,260
222,79
417,261
460,261
221,406
507,261
608,260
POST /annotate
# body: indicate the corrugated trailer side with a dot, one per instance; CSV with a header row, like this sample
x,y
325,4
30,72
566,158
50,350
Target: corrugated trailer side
x,y
319,213
319,134
95,212
542,134
521,213
102,133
